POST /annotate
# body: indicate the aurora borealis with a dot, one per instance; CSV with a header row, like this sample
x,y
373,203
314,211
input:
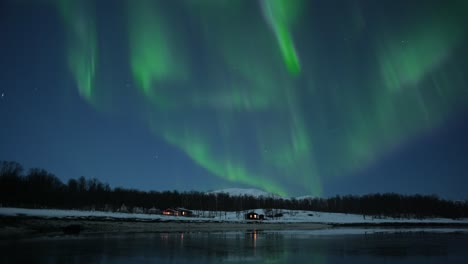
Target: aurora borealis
x,y
289,96
78,18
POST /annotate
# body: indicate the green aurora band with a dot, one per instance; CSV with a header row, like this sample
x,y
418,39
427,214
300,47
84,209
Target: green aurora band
x,y
281,15
426,45
231,170
246,109
154,58
79,20
254,97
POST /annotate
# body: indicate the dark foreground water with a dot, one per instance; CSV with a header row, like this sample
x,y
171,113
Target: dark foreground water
x,y
244,247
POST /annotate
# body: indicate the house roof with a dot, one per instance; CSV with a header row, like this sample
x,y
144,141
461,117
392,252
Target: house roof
x,y
182,209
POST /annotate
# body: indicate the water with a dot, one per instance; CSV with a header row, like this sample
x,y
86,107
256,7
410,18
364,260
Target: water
x,y
338,246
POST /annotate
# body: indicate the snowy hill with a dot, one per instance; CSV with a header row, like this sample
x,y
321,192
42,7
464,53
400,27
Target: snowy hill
x,y
257,193
305,197
248,192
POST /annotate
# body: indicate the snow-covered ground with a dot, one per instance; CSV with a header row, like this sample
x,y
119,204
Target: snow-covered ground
x,y
338,218
289,216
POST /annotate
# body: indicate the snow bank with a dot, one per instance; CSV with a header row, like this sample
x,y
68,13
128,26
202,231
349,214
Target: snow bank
x,y
289,216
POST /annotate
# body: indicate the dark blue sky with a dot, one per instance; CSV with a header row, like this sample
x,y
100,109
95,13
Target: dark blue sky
x,y
293,97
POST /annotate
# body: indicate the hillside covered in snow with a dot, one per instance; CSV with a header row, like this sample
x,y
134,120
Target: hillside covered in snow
x,y
257,193
249,192
287,216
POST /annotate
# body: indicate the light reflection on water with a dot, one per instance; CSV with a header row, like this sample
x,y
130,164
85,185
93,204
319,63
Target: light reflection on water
x,y
243,247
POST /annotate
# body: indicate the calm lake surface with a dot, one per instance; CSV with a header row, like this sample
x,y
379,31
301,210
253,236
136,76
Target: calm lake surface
x,y
336,246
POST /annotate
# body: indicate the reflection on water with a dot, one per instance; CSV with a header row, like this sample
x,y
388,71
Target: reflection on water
x,y
242,247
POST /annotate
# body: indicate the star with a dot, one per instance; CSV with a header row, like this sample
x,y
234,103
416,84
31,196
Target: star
x,y
3,95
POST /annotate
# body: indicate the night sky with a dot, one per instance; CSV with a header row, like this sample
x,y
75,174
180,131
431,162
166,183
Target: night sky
x,y
293,97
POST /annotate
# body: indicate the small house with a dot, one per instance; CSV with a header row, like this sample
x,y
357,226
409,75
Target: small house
x,y
185,212
252,216
170,211
178,212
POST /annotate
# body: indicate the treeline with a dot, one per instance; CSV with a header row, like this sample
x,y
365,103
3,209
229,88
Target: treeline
x,y
40,189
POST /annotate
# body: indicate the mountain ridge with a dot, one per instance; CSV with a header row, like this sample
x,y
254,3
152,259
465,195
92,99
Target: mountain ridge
x,y
256,193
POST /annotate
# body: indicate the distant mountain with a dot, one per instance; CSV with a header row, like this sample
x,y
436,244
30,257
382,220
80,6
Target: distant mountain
x,y
249,192
305,197
257,193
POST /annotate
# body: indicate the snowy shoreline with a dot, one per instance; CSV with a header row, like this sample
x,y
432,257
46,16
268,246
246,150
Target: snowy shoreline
x,y
289,216
20,222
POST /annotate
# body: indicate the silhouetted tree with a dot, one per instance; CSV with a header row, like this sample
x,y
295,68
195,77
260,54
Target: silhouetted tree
x,y
40,188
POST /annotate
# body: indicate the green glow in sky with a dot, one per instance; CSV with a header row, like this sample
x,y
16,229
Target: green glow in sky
x,y
154,56
226,167
79,20
248,121
406,57
220,82
281,15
